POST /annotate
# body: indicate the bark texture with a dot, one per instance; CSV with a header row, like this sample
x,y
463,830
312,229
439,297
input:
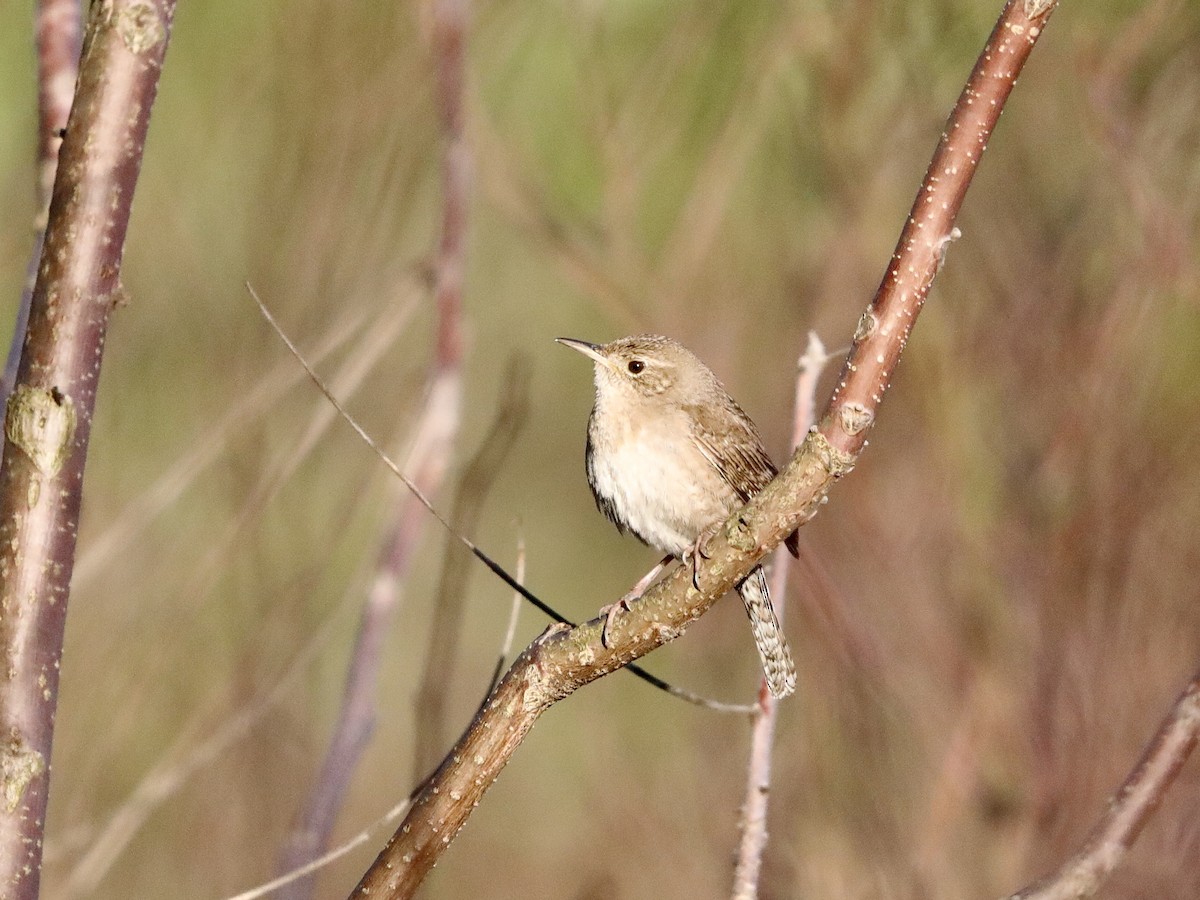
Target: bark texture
x,y
49,413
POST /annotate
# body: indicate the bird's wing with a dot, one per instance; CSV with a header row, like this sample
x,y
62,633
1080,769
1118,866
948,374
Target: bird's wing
x,y
732,445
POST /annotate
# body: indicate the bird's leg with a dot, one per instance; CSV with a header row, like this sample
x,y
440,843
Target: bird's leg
x,y
698,551
610,610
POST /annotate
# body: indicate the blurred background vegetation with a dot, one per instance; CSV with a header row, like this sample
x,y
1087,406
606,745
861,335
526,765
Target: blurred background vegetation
x,y
999,604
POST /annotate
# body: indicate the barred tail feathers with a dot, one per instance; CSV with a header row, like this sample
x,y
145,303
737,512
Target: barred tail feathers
x,y
768,635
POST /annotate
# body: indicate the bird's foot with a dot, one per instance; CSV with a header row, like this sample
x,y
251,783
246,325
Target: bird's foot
x,y
698,551
609,612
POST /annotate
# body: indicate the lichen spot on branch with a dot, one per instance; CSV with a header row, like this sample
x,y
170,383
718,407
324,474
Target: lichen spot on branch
x,y
141,27
866,326
855,418
41,422
19,766
836,462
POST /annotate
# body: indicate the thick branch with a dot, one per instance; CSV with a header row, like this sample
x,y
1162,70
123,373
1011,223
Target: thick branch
x,y
563,660
49,414
884,328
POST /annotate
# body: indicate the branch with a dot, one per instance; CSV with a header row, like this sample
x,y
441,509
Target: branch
x,y
564,659
436,438
758,775
1128,811
49,413
58,36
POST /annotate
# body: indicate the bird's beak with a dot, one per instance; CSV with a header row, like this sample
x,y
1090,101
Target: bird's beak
x,y
586,348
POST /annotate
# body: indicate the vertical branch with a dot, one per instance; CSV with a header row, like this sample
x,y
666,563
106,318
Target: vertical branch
x,y
58,31
49,412
436,436
748,866
1130,808
450,39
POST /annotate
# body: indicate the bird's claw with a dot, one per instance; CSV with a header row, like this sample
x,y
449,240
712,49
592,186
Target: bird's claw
x,y
610,612
698,551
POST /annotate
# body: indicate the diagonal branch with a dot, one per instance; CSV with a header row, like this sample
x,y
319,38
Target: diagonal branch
x,y
1133,804
564,659
49,413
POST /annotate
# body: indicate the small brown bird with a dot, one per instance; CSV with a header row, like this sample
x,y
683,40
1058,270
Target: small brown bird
x,y
670,455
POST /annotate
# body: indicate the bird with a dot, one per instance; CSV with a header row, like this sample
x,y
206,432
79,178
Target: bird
x,y
669,456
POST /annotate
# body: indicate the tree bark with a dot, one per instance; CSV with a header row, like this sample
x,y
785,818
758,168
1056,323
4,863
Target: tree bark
x,y
49,413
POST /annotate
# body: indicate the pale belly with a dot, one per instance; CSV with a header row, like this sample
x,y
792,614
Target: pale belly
x,y
663,489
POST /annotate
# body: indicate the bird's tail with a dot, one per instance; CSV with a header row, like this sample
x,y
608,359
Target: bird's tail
x,y
768,635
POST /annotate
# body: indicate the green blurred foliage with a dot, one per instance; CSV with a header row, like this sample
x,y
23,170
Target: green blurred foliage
x,y
996,607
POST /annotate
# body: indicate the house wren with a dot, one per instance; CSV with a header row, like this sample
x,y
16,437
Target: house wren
x,y
670,455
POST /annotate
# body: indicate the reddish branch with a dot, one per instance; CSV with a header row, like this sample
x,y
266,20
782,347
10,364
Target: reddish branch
x,y
58,37
1130,808
564,659
49,413
433,448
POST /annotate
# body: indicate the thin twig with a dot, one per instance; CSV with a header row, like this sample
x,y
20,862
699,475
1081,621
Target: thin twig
x,y
1130,808
564,659
306,870
513,614
753,829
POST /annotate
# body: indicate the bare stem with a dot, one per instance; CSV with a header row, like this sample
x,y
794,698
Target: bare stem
x,y
758,771
49,412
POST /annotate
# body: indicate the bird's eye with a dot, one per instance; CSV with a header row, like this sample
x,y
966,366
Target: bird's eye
x,y
636,365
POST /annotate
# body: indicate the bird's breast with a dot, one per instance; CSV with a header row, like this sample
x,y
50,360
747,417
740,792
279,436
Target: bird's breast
x,y
649,476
